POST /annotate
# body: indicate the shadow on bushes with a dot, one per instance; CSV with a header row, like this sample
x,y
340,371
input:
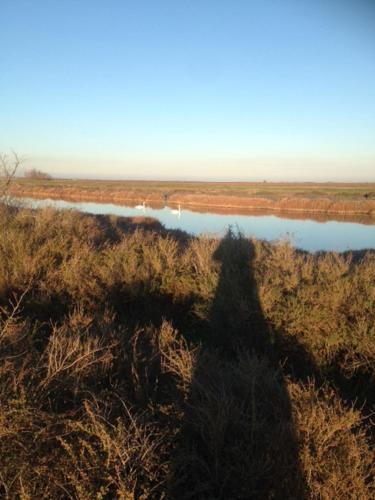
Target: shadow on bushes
x,y
145,383
238,438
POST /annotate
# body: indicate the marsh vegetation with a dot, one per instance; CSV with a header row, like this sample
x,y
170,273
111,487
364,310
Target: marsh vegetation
x,y
137,362
316,198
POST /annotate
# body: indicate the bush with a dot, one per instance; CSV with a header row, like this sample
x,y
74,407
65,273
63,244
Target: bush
x,y
136,364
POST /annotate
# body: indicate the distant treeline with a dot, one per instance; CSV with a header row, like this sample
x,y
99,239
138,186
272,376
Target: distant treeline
x,y
33,173
141,363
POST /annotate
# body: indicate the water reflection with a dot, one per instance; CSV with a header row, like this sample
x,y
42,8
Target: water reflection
x,y
305,234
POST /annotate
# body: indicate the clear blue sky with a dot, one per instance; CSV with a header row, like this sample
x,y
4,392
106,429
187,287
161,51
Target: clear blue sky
x,y
215,89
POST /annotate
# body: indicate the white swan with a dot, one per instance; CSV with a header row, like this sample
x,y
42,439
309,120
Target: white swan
x,y
177,212
141,207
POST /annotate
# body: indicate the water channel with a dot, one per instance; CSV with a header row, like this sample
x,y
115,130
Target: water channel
x,y
306,234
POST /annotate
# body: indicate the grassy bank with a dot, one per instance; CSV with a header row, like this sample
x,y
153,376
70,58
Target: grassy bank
x,y
307,197
142,363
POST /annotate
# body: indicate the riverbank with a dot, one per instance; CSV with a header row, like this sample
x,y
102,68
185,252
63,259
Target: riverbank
x,y
311,232
323,199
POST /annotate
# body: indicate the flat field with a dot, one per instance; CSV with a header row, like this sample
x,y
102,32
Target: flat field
x,y
328,198
353,191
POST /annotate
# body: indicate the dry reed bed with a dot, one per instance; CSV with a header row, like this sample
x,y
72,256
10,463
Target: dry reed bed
x,y
317,205
139,364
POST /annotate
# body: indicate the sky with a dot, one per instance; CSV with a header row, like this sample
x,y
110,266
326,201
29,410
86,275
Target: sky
x,y
278,90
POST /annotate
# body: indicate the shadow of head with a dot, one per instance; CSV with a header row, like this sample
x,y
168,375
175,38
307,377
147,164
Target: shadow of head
x,y
236,314
234,249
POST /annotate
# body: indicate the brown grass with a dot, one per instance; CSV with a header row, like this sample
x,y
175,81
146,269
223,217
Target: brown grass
x,y
138,364
340,199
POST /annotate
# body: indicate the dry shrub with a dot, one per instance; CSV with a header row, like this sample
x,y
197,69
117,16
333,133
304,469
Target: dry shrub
x,y
158,364
78,357
18,355
200,274
79,276
28,452
11,326
19,376
238,439
126,267
177,359
55,444
323,303
87,456
72,354
248,434
142,262
102,397
335,454
125,459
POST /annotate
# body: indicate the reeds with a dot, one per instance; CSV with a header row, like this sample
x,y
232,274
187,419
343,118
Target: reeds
x,y
326,199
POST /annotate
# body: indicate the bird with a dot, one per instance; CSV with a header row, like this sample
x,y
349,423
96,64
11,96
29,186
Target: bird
x,y
177,212
141,207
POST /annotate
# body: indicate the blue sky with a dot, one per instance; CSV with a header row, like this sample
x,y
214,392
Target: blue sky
x,y
214,89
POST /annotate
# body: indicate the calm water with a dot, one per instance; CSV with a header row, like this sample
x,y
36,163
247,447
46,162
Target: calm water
x,y
306,234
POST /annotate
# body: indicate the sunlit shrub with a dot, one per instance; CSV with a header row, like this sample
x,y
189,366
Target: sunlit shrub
x,y
138,364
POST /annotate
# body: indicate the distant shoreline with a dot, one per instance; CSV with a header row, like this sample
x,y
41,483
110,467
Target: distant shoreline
x,y
303,198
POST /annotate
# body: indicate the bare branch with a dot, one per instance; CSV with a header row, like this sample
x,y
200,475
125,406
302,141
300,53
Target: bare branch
x,y
8,169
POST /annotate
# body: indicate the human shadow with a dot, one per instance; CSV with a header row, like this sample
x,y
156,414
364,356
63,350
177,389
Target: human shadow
x,y
236,317
238,438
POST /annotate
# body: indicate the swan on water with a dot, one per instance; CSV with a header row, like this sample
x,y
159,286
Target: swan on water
x,y
141,207
177,211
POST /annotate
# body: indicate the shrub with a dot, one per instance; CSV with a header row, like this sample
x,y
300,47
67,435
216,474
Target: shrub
x,y
136,364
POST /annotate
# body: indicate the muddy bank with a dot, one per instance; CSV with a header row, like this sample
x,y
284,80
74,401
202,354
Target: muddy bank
x,y
212,202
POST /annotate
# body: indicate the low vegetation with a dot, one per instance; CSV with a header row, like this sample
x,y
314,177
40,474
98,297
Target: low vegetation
x,y
324,198
141,363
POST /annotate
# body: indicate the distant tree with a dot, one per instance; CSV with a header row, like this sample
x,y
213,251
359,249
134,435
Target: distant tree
x,y
8,169
33,173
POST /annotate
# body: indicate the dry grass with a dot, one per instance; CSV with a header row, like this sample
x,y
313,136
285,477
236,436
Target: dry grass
x,y
329,198
138,364
332,443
